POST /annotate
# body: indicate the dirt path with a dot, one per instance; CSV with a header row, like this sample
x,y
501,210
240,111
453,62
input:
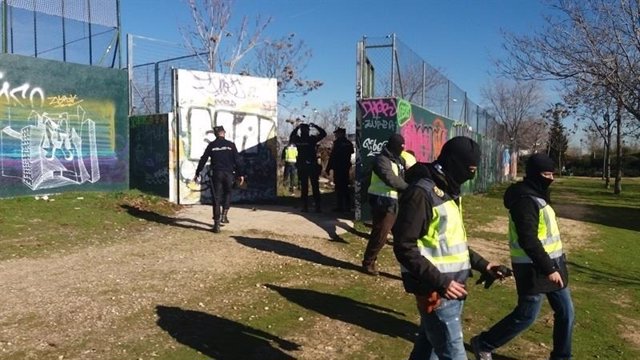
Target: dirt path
x,y
76,299
71,305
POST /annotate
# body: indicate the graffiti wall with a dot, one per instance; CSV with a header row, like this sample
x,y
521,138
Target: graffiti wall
x,y
149,154
63,127
246,107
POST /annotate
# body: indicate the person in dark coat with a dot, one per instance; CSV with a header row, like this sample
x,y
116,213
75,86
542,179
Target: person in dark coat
x,y
539,264
307,162
340,163
226,164
387,181
430,243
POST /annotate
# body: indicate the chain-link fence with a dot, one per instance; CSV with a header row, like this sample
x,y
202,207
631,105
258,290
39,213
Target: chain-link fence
x,y
77,31
391,69
151,62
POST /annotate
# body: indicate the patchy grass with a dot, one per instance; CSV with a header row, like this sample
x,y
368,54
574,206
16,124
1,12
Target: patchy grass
x,y
276,296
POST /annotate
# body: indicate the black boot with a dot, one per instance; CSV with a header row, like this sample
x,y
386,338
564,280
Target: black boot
x,y
225,219
216,226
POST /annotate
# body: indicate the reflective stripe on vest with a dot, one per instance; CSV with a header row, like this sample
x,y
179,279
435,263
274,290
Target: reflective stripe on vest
x,y
378,187
548,234
409,160
290,154
445,242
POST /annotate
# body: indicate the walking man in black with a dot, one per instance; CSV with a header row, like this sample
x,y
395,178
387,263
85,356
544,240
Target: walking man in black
x,y
307,164
225,165
340,163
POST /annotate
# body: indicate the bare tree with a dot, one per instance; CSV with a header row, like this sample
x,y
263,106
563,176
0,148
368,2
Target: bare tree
x,y
210,32
535,134
285,59
594,42
513,104
245,50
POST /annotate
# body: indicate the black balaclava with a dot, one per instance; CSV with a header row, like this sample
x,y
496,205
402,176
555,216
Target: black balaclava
x,y
536,164
304,130
396,144
456,156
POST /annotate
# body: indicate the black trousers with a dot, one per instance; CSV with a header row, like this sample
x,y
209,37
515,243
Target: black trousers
x,y
221,185
306,173
343,196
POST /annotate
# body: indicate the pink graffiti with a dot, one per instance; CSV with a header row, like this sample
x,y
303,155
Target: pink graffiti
x,y
377,108
423,139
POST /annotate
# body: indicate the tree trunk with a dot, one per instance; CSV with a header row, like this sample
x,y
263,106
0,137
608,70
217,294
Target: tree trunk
x,y
606,171
617,189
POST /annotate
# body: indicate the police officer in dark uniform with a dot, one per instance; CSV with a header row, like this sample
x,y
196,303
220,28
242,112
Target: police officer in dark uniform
x,y
307,164
225,165
340,163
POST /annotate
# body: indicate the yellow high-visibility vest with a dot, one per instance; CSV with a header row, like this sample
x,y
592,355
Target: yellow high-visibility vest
x,y
548,234
290,154
378,187
409,160
445,242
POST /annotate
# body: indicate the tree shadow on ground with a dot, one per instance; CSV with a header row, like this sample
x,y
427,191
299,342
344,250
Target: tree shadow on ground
x,y
220,338
292,250
619,217
603,277
371,317
166,220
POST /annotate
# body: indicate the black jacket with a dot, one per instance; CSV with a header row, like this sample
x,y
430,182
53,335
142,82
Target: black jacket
x,y
340,158
414,217
531,278
224,157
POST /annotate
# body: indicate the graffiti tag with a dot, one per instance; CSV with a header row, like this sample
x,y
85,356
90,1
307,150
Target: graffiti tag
x,y
379,124
373,146
10,94
378,108
64,100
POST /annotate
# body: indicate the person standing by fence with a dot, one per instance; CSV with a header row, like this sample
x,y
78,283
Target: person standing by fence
x,y
289,156
340,164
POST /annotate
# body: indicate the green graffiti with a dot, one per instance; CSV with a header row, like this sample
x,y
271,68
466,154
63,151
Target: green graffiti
x,y
403,111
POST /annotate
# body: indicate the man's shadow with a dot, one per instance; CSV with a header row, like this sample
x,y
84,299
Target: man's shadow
x,y
371,317
166,220
291,250
220,338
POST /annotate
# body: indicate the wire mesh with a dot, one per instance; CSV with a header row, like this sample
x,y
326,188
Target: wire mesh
x,y
78,31
393,69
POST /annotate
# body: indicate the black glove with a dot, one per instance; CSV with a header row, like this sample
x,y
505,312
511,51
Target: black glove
x,y
496,272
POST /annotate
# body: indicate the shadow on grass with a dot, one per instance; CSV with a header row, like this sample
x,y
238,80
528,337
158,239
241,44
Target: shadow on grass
x,y
167,220
291,250
603,277
619,217
220,338
371,317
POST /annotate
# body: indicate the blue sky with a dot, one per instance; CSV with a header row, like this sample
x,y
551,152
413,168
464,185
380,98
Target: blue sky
x,y
460,37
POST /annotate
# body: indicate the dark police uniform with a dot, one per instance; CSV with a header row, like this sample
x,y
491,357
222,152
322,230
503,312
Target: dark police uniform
x,y
225,165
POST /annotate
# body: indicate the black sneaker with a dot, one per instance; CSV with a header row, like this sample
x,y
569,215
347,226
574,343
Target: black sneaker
x,y
479,354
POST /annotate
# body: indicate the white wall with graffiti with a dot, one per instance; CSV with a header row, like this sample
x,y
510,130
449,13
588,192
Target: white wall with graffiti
x,y
247,108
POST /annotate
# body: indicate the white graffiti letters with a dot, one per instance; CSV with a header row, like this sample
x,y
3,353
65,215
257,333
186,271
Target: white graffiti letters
x,y
373,146
10,94
379,124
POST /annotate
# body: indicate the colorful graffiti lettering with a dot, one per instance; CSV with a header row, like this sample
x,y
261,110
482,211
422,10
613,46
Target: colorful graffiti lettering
x,y
404,111
378,108
440,136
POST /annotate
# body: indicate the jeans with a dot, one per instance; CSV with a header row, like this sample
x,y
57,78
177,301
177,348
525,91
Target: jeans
x,y
440,335
526,313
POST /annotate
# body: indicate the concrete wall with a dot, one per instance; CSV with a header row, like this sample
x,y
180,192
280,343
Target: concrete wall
x,y
63,127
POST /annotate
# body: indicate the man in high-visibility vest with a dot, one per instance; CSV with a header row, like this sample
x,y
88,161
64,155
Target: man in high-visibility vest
x,y
539,264
289,156
387,180
430,242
